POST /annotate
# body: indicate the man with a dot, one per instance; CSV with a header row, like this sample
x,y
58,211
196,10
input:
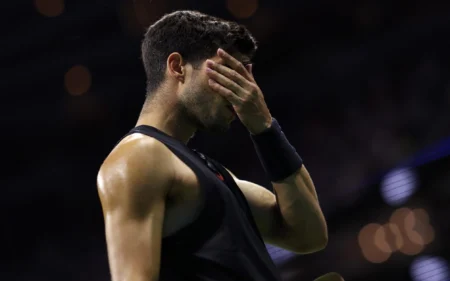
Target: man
x,y
172,213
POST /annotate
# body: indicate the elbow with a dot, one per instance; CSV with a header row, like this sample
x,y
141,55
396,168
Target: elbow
x,y
310,248
314,245
320,237
315,242
320,241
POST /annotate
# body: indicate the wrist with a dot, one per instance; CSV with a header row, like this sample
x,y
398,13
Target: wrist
x,y
263,128
278,157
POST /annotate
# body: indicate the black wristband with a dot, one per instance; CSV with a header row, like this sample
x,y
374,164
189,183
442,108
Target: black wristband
x,y
278,157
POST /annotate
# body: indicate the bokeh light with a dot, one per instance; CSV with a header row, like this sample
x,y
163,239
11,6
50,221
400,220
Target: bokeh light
x,y
415,228
368,243
429,268
147,12
392,237
423,225
380,240
136,16
49,8
78,80
242,9
408,231
399,218
398,185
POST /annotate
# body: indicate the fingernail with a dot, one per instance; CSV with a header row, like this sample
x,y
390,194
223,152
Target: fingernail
x,y
210,81
221,51
208,69
209,63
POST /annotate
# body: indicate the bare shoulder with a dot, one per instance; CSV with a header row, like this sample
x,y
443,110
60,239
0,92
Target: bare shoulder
x,y
132,185
138,168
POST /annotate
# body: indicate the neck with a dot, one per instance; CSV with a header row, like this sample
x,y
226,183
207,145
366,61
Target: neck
x,y
168,118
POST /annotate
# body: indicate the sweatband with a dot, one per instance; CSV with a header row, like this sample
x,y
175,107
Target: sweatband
x,y
278,157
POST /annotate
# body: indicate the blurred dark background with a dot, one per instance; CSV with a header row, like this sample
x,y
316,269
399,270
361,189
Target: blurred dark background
x,y
361,89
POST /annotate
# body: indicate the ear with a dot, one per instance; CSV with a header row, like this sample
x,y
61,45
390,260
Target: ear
x,y
176,66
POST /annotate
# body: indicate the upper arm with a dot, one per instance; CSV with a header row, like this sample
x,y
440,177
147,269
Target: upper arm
x,y
266,212
263,204
132,186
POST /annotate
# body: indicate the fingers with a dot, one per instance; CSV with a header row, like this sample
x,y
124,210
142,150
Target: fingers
x,y
234,64
226,93
224,80
231,78
332,276
250,68
231,74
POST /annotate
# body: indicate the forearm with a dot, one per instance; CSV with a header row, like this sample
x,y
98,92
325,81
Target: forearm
x,y
301,215
302,223
305,179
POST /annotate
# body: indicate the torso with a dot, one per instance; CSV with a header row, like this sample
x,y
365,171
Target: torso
x,y
212,238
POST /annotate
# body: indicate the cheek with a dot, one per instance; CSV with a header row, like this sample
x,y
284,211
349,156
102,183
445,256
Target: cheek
x,y
202,77
200,83
204,93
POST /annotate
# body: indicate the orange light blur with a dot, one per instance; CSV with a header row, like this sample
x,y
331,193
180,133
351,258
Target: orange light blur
x,y
367,242
242,9
405,219
147,12
49,8
394,230
408,231
78,80
411,232
423,225
380,240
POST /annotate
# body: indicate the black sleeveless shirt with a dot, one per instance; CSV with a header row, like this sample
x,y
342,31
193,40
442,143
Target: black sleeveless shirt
x,y
223,242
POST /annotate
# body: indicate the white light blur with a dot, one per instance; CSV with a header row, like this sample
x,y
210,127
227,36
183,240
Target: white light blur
x,y
398,185
427,268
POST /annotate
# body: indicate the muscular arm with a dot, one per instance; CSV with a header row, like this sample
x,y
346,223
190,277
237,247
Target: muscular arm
x,y
132,185
304,223
291,217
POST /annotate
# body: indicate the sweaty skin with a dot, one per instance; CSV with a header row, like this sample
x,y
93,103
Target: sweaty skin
x,y
147,193
133,184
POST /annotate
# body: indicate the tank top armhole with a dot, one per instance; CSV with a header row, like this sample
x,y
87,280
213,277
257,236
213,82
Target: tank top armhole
x,y
205,223
202,227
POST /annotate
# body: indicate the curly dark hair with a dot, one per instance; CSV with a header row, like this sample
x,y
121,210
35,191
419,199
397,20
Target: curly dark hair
x,y
196,36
